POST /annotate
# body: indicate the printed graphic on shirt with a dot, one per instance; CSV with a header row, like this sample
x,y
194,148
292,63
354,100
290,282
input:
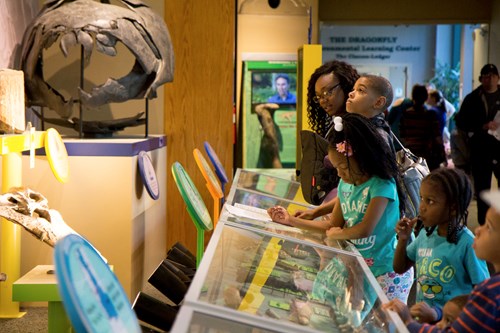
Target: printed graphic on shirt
x,y
433,274
358,208
366,243
430,287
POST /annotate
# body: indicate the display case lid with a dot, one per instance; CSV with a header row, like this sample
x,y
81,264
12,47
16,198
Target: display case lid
x,y
194,203
92,296
200,319
267,184
253,218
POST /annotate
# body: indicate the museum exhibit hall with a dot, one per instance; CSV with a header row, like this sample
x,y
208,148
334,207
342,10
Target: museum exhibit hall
x,y
249,166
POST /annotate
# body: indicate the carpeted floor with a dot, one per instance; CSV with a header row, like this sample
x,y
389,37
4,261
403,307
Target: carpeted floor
x,y
35,319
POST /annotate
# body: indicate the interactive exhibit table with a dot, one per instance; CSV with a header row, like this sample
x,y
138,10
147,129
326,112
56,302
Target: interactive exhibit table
x,y
114,178
260,276
109,202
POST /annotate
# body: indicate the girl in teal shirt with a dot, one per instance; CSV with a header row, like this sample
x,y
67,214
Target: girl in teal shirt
x,y
367,207
446,265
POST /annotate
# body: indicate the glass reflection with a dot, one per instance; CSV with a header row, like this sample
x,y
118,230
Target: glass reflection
x,y
294,282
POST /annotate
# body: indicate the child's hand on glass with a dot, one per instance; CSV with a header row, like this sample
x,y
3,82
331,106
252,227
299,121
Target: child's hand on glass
x,y
400,308
423,313
279,215
304,214
404,228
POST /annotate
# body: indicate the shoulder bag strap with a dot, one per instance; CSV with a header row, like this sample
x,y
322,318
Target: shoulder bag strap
x,y
395,138
406,150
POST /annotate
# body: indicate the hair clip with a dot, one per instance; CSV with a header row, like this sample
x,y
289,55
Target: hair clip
x,y
344,148
337,124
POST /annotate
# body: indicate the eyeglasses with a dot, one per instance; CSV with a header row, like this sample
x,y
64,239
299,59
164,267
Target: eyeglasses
x,y
325,94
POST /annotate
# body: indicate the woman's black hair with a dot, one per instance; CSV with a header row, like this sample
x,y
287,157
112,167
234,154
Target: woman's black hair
x,y
347,75
372,152
458,191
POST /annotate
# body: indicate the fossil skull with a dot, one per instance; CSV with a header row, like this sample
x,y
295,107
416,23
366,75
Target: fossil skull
x,y
27,202
30,210
98,23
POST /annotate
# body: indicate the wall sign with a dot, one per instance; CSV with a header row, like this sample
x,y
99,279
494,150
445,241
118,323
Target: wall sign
x,y
376,43
387,47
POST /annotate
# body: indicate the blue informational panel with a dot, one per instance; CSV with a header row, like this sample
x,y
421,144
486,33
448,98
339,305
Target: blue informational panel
x,y
92,296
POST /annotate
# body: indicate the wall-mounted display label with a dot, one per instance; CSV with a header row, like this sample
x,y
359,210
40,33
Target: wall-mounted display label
x,y
57,155
148,175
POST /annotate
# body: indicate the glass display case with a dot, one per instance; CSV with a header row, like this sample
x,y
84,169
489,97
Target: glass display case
x,y
260,276
198,321
247,204
256,218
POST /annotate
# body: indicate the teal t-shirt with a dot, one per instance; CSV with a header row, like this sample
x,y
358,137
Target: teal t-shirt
x,y
445,270
377,249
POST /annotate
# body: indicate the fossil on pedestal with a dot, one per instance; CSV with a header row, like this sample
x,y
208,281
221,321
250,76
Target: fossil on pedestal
x,y
30,210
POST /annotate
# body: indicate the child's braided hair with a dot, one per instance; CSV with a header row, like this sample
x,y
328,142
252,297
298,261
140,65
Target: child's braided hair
x,y
458,191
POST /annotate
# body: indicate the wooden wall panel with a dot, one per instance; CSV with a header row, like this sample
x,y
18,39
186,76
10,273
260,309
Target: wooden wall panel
x,y
198,104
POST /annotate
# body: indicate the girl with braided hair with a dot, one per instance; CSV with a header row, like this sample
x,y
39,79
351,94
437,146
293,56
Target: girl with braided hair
x,y
367,207
446,265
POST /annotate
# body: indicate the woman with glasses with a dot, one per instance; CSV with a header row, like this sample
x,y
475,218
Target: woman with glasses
x,y
327,93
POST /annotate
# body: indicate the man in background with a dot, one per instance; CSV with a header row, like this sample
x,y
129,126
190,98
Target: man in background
x,y
283,96
476,117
